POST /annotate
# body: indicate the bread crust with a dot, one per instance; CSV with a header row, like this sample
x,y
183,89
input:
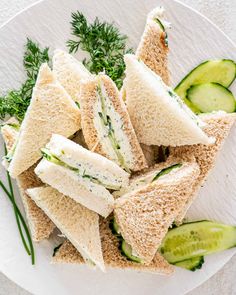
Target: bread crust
x,y
218,126
69,72
82,226
145,215
40,225
49,98
111,254
152,49
157,117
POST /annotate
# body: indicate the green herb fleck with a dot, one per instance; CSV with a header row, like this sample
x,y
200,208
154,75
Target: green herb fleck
x,y
103,42
16,102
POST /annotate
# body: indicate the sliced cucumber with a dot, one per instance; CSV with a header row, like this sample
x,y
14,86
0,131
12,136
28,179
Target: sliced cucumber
x,y
126,250
191,106
191,264
166,171
209,97
114,227
164,31
222,71
197,239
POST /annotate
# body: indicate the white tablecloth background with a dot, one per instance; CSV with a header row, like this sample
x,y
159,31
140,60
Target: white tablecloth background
x,y
223,13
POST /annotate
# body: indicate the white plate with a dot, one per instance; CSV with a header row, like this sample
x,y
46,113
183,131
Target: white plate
x,y
192,39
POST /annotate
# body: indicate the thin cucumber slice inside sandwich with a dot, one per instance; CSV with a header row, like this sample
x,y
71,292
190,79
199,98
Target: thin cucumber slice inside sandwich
x,y
166,171
222,71
149,212
160,23
94,167
192,263
197,239
106,124
126,250
209,97
140,181
81,174
114,227
154,42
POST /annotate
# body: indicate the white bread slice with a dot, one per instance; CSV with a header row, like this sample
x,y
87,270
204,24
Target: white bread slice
x,y
93,196
78,224
51,110
113,258
96,133
153,49
81,174
10,132
40,225
94,165
69,72
158,115
145,215
218,126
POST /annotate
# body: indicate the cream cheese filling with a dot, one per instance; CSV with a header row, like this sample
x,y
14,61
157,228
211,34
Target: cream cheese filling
x,y
123,145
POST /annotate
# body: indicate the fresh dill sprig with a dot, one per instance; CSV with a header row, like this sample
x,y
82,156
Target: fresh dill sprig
x,y
19,219
16,102
103,42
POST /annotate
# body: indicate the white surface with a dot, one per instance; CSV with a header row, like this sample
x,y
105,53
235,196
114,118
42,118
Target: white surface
x,y
224,22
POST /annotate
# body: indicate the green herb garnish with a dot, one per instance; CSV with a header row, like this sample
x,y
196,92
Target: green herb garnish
x,y
19,219
103,42
16,102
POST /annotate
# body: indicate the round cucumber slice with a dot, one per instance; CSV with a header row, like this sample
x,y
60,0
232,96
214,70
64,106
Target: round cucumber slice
x,y
211,97
222,71
197,239
191,264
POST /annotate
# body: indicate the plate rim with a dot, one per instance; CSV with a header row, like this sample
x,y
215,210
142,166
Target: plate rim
x,y
28,7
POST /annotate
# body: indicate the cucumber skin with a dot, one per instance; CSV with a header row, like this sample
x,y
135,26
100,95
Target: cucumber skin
x,y
114,228
191,264
201,64
183,95
172,258
129,257
166,171
213,84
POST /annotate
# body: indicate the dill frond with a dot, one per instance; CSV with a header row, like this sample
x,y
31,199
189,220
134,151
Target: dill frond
x,y
103,42
16,102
